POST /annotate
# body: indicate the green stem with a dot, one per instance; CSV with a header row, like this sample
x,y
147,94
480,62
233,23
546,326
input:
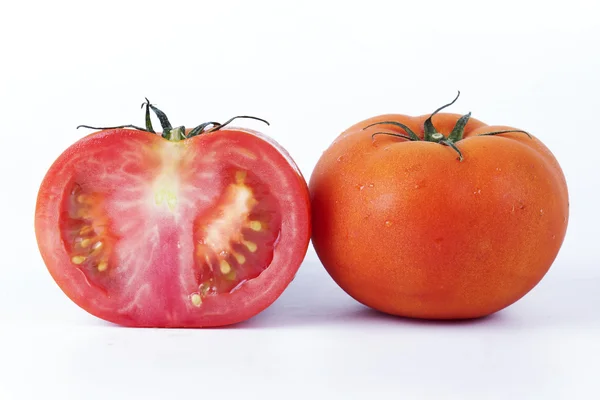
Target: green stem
x,y
451,144
391,134
162,117
459,129
431,134
428,127
170,133
507,131
200,129
149,126
112,127
220,126
175,134
413,136
437,137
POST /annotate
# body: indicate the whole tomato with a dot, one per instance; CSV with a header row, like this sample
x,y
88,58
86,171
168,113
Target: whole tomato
x,y
438,216
187,228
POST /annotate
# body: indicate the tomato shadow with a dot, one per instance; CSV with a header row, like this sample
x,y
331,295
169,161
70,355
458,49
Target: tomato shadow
x,y
368,314
564,298
314,299
357,314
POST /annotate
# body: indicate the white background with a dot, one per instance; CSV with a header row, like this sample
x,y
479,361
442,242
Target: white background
x,y
311,68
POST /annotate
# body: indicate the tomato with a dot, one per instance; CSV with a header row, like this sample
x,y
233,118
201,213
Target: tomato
x,y
438,216
192,228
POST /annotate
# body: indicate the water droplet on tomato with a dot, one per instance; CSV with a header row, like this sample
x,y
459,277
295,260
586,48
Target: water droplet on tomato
x,y
340,159
359,186
388,223
371,185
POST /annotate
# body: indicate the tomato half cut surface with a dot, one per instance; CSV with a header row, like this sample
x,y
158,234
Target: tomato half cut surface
x,y
143,231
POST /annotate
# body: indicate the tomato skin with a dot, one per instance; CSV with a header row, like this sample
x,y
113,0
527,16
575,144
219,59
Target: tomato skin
x,y
407,229
167,307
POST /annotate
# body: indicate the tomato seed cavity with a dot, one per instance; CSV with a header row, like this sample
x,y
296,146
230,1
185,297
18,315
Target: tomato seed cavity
x,y
84,231
234,243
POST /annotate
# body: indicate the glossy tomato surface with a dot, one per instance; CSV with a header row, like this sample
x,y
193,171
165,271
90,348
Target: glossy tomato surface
x,y
407,228
143,231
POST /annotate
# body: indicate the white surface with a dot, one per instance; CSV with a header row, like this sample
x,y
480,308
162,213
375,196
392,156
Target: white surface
x,y
315,342
312,69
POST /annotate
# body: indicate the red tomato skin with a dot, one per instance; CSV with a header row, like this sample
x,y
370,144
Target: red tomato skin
x,y
407,229
249,299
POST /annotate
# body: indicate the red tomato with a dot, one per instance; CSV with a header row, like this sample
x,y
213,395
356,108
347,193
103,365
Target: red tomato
x,y
144,231
437,217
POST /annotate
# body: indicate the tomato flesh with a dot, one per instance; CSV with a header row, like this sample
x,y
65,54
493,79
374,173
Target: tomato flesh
x,y
143,231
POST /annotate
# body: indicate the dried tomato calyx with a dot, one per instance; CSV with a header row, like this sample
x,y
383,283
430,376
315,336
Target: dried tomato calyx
x,y
177,133
430,134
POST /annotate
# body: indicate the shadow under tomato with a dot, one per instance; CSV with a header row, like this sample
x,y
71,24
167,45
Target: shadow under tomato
x,y
374,315
562,299
359,314
313,298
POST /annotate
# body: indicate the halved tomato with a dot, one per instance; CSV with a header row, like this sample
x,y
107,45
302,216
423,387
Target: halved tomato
x,y
174,230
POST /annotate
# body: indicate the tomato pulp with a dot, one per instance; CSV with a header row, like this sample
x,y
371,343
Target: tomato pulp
x,y
144,231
